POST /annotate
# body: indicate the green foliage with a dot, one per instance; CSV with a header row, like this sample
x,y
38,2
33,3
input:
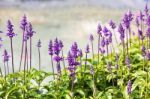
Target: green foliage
x,y
102,85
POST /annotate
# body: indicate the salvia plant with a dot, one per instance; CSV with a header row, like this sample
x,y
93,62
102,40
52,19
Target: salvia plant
x,y
118,69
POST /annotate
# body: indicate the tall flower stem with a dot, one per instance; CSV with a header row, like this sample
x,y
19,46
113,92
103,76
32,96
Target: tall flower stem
x,y
72,86
98,47
52,67
63,60
30,52
22,49
129,36
7,68
1,72
27,57
39,58
12,58
92,49
85,63
25,67
127,42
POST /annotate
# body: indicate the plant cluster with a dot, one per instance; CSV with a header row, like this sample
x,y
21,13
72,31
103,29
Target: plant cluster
x,y
118,70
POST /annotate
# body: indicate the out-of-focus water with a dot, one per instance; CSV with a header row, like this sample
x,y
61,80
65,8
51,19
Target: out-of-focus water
x,y
67,20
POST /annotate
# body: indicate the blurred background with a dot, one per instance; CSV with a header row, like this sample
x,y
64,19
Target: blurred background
x,y
69,20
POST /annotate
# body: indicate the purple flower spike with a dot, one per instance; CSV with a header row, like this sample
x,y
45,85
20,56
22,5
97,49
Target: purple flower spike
x,y
71,64
126,21
129,87
91,37
74,50
143,50
57,58
61,44
5,56
50,47
148,55
39,43
137,21
87,49
148,21
56,47
102,50
58,69
146,10
121,31
105,31
140,34
141,16
23,22
103,42
127,61
80,54
112,24
130,15
10,29
99,29
29,30
148,32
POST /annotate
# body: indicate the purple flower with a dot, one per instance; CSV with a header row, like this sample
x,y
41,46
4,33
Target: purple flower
x,y
57,58
99,29
23,23
148,55
121,31
130,15
140,34
137,21
102,50
71,64
112,24
143,50
141,16
50,47
103,42
61,44
105,31
148,20
5,56
126,21
56,47
80,54
26,36
129,87
87,49
39,43
148,32
10,29
58,68
91,37
146,10
29,30
74,50
127,61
